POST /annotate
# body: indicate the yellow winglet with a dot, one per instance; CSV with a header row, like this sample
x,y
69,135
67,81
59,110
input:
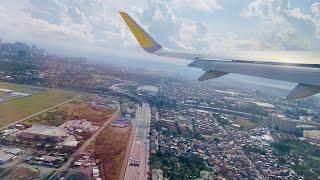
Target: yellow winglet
x,y
144,39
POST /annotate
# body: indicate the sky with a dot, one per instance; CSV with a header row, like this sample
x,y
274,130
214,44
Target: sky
x,y
94,28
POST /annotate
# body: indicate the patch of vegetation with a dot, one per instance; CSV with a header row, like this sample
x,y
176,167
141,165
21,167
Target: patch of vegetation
x,y
54,118
255,150
310,168
252,109
245,124
177,167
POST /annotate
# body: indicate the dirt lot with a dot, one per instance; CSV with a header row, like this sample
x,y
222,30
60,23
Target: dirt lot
x,y
24,173
110,146
77,109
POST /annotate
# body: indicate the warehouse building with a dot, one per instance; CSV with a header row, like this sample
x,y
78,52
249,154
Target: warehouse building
x,y
42,132
82,125
4,158
14,151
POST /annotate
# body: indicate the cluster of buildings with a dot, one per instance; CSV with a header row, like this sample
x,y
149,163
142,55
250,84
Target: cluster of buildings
x,y
9,154
53,144
120,123
229,127
89,164
228,152
20,50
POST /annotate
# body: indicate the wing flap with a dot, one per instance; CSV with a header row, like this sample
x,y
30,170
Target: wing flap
x,y
301,75
302,90
211,75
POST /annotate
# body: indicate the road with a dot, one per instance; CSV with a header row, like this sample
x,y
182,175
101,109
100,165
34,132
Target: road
x,y
139,149
36,114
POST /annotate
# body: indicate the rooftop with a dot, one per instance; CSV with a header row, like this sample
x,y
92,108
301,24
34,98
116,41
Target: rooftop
x,y
6,157
46,130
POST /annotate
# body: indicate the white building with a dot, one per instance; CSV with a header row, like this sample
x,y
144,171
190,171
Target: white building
x,y
43,132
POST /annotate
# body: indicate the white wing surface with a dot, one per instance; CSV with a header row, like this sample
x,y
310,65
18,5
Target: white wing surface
x,y
307,76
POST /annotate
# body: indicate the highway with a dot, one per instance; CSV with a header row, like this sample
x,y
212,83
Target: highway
x,y
139,149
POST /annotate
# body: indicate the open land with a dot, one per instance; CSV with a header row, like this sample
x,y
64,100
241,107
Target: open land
x,y
16,87
115,141
77,109
14,110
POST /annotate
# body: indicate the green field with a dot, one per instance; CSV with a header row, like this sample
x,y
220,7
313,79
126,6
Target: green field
x,y
2,94
310,168
17,109
15,87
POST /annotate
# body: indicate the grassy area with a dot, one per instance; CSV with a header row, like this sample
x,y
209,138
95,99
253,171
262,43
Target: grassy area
x,y
310,168
2,94
77,109
55,117
17,109
177,167
15,87
245,123
316,158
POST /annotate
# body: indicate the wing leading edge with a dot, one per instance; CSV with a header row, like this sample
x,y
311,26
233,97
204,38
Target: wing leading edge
x,y
306,75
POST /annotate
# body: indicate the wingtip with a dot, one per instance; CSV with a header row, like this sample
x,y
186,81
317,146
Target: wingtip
x,y
123,13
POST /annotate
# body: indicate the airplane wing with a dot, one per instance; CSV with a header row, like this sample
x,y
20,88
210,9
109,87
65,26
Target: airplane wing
x,y
306,75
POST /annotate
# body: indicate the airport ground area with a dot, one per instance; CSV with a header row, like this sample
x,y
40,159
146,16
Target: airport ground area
x,y
18,101
61,134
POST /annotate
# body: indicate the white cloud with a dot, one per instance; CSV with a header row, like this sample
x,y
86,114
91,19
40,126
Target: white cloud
x,y
314,18
198,5
315,9
277,32
297,13
259,8
94,25
172,31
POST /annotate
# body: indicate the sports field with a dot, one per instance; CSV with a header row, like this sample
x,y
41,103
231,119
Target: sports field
x,y
14,110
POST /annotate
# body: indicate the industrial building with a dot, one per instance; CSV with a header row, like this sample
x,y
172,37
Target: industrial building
x,y
14,151
42,132
82,125
120,123
4,158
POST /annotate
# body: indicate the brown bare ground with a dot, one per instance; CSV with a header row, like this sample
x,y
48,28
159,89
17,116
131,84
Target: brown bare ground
x,y
70,111
110,147
24,173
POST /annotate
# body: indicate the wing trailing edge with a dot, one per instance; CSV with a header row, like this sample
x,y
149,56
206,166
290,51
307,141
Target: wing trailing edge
x,y
211,75
306,75
302,90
